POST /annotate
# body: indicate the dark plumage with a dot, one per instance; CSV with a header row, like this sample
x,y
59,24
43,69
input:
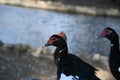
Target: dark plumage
x,y
114,57
69,66
56,53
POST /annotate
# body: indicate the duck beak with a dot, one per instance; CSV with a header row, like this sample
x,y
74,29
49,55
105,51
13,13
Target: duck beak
x,y
47,44
99,36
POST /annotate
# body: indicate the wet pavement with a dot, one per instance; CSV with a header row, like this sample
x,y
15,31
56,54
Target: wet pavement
x,y
34,27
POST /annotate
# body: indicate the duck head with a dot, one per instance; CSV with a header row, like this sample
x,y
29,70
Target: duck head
x,y
57,41
110,34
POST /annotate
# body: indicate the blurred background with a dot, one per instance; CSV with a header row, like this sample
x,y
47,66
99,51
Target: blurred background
x,y
32,22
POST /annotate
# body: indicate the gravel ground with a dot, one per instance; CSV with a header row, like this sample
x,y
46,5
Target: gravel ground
x,y
20,62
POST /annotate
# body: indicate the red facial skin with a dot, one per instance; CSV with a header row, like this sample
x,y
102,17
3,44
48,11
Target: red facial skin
x,y
61,34
51,40
105,33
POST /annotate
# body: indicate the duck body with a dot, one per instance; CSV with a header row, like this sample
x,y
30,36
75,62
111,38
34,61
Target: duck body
x,y
114,56
74,67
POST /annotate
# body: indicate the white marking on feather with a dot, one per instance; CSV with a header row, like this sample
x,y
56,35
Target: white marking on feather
x,y
60,51
119,69
111,45
58,59
70,77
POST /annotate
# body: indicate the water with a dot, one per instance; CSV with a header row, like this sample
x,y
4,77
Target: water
x,y
34,27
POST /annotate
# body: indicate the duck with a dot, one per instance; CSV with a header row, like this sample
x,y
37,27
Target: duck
x,y
69,66
114,55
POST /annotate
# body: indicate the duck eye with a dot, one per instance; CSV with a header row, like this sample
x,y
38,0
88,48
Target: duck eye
x,y
106,31
53,39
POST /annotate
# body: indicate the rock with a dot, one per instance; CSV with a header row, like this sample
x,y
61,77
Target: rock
x,y
41,50
46,50
16,47
1,43
38,51
96,56
8,47
54,77
104,74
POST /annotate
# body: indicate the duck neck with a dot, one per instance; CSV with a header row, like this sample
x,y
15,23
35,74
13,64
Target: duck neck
x,y
59,54
63,52
115,46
